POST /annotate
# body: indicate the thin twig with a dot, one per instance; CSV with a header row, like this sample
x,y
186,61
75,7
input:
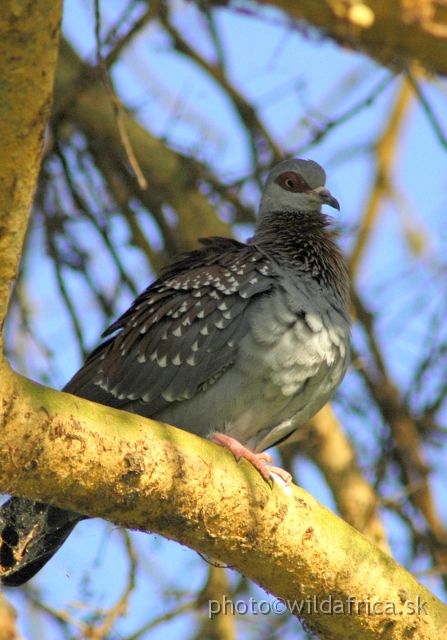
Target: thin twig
x,y
427,108
116,103
350,113
120,607
246,111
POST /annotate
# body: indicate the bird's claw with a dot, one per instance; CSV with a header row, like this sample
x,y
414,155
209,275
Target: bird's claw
x,y
261,461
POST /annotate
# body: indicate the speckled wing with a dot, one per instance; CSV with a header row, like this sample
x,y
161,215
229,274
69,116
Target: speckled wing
x,y
181,333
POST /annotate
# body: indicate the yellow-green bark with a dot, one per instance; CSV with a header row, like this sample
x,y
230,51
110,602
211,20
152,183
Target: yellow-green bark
x,y
29,35
148,476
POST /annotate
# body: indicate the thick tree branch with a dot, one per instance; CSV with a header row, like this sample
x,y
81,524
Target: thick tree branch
x,y
148,476
29,34
394,33
324,441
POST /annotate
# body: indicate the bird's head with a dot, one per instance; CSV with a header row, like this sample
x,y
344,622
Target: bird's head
x,y
296,185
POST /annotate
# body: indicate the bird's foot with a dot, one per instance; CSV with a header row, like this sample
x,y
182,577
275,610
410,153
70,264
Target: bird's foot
x,y
261,461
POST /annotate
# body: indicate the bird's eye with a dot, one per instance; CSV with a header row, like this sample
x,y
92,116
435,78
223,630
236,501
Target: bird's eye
x,y
292,181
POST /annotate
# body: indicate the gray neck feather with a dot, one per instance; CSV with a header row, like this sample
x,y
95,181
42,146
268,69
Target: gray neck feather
x,y
302,242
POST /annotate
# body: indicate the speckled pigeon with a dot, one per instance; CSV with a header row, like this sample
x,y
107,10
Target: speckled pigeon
x,y
240,343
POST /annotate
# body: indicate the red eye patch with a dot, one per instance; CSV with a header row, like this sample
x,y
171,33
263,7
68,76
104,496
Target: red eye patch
x,y
292,181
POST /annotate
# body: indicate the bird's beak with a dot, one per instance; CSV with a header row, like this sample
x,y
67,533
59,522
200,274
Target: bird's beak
x,y
326,197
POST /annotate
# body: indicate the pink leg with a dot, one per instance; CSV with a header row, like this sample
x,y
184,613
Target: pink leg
x,y
261,461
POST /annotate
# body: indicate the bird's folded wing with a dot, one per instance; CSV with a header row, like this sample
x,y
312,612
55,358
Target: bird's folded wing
x,y
181,333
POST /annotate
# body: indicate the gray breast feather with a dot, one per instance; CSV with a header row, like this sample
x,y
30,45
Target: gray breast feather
x,y
286,369
293,344
250,352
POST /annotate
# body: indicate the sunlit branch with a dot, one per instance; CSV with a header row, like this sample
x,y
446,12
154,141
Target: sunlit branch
x,y
323,441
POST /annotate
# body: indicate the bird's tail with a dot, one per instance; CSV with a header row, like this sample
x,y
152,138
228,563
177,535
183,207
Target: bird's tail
x,y
30,534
